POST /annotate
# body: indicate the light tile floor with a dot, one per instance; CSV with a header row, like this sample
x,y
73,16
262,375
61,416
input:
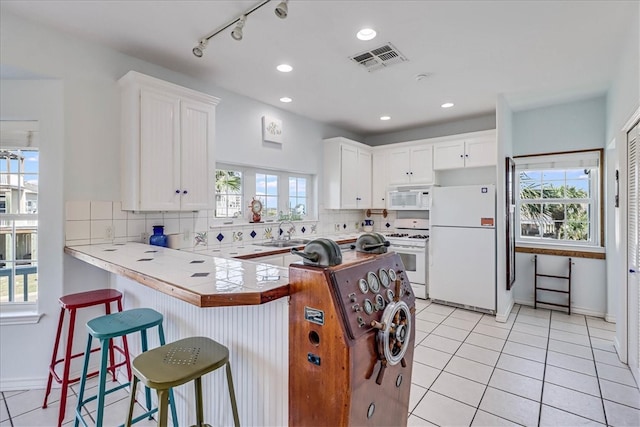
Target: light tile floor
x,y
541,367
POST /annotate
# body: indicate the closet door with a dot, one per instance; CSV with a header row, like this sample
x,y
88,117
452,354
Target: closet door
x,y
633,255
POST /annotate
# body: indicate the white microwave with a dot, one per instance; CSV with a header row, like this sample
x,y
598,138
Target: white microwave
x,y
409,200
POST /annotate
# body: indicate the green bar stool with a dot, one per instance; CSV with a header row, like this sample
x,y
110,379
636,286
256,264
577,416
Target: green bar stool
x,y
105,328
175,364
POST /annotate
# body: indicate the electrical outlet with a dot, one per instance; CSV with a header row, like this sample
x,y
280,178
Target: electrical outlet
x,y
108,232
337,227
144,237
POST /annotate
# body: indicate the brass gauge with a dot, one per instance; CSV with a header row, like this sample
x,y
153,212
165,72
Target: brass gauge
x,y
364,287
390,295
392,274
368,306
384,277
374,283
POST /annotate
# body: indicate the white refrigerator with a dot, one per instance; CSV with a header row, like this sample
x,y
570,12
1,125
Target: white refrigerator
x,y
462,246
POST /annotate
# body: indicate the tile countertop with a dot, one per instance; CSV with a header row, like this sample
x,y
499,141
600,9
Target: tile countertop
x,y
203,278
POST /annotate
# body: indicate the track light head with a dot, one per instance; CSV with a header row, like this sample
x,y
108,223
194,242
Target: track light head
x,y
282,10
237,32
198,51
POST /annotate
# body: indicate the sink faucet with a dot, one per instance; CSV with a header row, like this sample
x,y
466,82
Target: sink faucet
x,y
291,230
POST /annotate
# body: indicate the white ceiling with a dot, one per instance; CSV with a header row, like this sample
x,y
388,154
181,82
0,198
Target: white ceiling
x,y
533,52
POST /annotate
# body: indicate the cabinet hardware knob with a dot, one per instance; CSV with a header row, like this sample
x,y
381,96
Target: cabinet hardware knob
x,y
177,191
184,192
466,155
411,173
461,156
631,270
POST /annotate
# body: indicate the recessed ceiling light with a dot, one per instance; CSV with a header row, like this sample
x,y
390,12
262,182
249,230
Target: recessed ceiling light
x,y
366,34
447,105
284,68
285,99
385,118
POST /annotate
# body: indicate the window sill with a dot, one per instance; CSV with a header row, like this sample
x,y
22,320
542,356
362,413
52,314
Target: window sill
x,y
19,315
561,250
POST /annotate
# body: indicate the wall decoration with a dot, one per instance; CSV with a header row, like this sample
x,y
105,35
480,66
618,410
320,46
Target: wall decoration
x,y
272,129
510,220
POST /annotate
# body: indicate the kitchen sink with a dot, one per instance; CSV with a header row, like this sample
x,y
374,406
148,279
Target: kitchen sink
x,y
284,243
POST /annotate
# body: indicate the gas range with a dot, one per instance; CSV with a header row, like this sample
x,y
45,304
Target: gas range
x,y
409,232
409,239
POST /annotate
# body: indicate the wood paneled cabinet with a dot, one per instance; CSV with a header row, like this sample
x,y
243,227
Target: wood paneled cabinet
x,y
167,146
411,165
379,179
347,174
465,153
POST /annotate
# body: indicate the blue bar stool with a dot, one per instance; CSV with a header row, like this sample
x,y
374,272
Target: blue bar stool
x,y
104,328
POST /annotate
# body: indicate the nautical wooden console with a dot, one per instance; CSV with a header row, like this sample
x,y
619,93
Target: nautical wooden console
x,y
351,342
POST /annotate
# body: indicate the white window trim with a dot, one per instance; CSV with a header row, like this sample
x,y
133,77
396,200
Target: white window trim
x,y
249,191
559,161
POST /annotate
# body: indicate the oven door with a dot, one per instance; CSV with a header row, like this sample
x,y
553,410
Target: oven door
x,y
415,265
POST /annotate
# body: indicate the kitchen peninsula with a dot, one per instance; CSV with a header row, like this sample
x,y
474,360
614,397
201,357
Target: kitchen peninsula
x,y
235,302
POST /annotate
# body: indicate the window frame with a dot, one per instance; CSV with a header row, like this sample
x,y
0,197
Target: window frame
x,y
595,201
249,192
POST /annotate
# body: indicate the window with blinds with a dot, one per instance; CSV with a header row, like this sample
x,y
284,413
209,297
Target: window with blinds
x,y
558,198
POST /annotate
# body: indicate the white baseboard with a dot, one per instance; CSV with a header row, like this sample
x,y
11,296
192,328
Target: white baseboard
x,y
621,354
502,318
610,318
574,309
15,384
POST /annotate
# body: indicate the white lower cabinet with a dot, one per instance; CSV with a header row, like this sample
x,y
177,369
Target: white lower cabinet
x,y
167,146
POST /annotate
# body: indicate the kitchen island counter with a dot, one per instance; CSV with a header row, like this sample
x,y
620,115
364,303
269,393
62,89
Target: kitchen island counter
x,y
199,279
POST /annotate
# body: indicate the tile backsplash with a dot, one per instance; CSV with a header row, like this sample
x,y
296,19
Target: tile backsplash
x,y
93,222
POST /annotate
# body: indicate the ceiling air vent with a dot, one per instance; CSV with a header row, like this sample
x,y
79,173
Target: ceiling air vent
x,y
379,58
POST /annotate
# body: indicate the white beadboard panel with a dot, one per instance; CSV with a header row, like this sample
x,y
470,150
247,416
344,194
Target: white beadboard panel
x,y
257,338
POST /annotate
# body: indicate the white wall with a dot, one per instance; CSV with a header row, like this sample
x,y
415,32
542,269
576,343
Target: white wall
x,y
84,112
42,101
504,128
577,125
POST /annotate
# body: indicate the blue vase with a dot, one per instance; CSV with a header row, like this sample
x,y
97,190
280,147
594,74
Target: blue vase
x,y
158,237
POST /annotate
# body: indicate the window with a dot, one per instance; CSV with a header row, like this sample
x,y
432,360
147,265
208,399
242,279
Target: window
x,y
18,224
283,195
228,193
559,198
297,197
267,193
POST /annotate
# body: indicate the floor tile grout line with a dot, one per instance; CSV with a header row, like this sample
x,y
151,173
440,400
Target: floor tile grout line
x,y
544,371
595,365
493,371
6,406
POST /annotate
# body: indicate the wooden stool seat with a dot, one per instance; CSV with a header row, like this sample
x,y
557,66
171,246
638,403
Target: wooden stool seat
x,y
71,303
177,363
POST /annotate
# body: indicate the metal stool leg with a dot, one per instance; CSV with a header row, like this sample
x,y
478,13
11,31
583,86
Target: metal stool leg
x,y
83,380
132,401
199,411
102,385
163,406
232,395
53,357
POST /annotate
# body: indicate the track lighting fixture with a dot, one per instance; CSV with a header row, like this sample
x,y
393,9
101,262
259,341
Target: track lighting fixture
x,y
236,34
281,11
199,50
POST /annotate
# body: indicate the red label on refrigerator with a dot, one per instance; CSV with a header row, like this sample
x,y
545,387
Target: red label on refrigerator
x,y
486,222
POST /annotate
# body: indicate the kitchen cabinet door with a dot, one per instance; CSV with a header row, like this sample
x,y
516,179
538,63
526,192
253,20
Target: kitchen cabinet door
x,y
379,179
159,151
480,151
196,160
167,148
411,165
448,155
422,165
347,174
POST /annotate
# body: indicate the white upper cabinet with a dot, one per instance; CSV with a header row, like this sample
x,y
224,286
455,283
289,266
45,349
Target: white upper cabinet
x,y
347,174
411,165
474,151
379,179
167,146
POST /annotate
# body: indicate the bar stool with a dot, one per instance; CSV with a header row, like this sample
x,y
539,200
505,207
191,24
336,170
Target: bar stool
x,y
175,364
105,328
72,303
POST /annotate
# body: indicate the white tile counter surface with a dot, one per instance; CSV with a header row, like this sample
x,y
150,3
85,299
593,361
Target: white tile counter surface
x,y
205,278
195,277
